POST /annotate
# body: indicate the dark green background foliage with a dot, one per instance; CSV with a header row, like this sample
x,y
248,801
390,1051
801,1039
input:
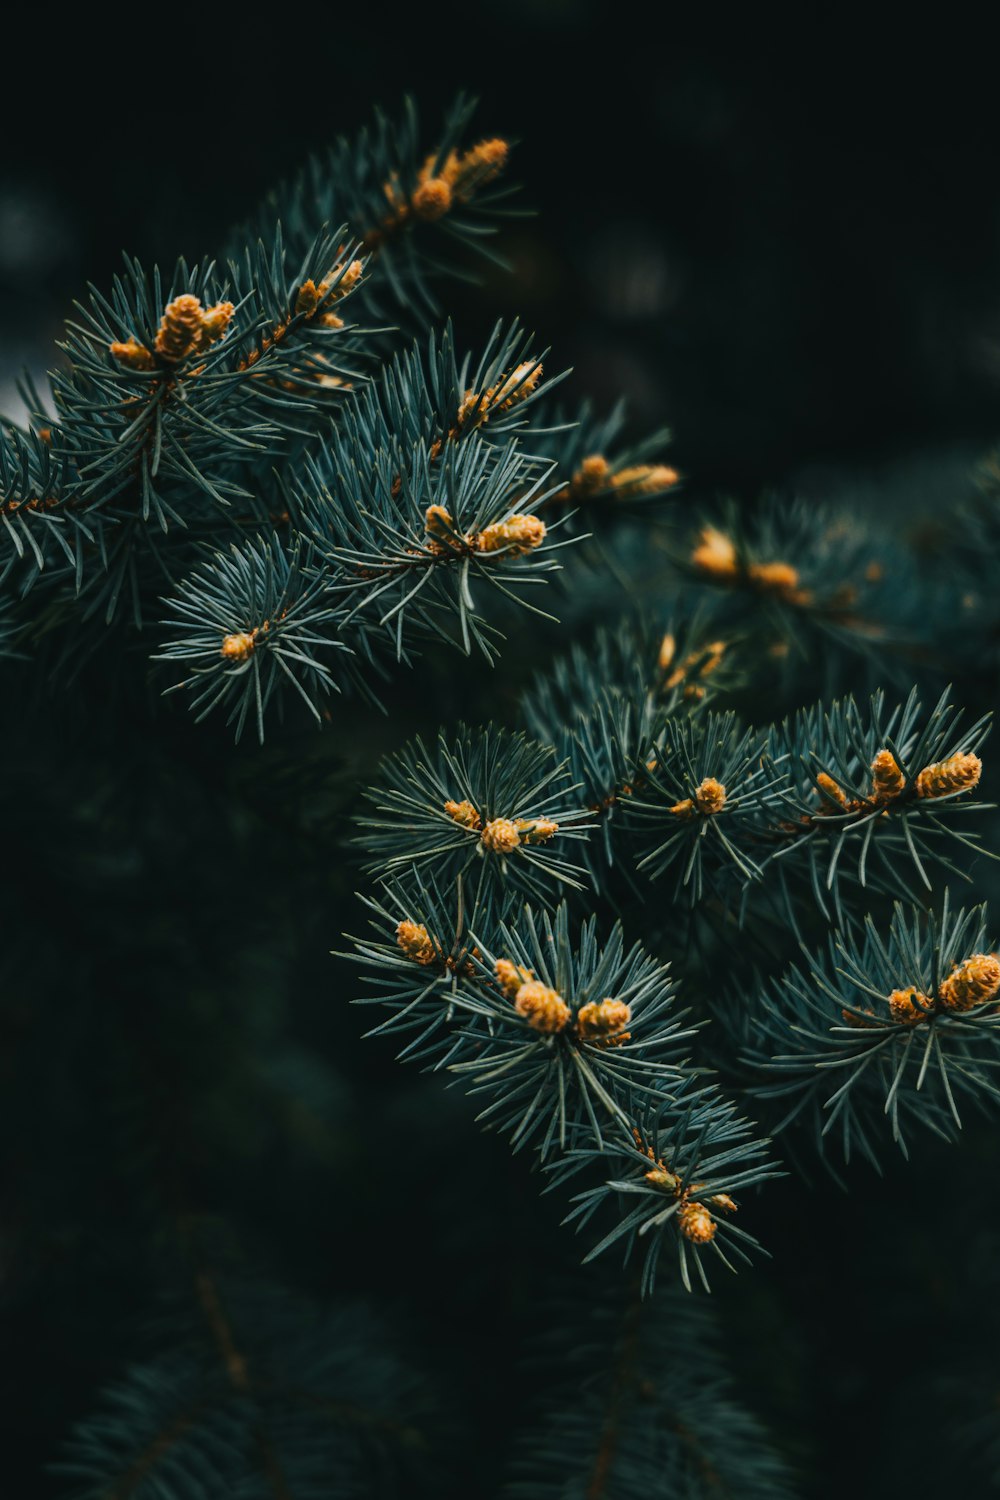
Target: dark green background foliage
x,y
244,1252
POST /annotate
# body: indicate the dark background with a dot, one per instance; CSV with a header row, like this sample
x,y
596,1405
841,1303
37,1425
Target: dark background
x,y
789,251
787,248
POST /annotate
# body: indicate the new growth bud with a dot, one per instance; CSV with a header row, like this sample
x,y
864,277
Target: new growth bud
x,y
959,773
696,1223
543,1008
414,940
511,976
887,779
463,813
603,1020
909,1006
500,836
971,983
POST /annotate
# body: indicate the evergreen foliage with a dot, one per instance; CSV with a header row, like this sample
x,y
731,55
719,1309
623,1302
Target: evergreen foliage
x,y
667,888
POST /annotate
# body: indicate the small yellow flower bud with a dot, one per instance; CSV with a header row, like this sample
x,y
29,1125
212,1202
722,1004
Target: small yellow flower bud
x,y
133,354
777,578
659,1177
511,976
696,1223
908,1007
971,983
601,1019
501,836
472,169
415,941
543,1008
593,475
514,537
238,647
180,329
723,1201
464,813
710,795
715,553
432,199
643,479
437,520
959,773
887,779
668,650
831,790
214,322
536,830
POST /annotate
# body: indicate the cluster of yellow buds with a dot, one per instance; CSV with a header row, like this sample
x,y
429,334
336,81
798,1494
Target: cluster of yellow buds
x,y
603,1022
186,328
972,982
503,835
543,1008
959,773
336,285
694,1218
595,476
888,782
699,663
416,942
479,406
440,185
715,556
515,537
709,798
458,178
511,976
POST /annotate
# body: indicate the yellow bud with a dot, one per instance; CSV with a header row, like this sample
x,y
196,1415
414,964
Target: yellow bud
x,y
972,982
715,553
133,354
536,830
659,1177
696,1223
238,647
543,1008
432,199
710,795
831,790
887,779
514,537
511,976
643,479
602,1019
501,836
777,578
415,941
959,773
180,329
909,1006
463,813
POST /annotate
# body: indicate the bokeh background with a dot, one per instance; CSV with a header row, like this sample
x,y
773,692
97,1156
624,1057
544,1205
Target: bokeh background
x,y
787,250
787,247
